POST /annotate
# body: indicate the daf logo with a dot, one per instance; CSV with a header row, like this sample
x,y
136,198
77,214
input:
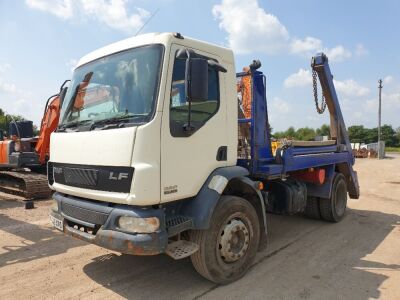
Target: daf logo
x,y
117,176
57,170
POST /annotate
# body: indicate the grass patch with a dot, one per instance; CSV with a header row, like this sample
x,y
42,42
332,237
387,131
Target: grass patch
x,y
392,149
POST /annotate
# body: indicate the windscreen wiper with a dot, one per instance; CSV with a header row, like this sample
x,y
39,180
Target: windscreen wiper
x,y
63,127
114,120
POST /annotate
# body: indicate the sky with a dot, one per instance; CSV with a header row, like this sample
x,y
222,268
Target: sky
x,y
41,41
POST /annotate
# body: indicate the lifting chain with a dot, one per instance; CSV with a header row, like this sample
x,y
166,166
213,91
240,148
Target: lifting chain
x,y
321,109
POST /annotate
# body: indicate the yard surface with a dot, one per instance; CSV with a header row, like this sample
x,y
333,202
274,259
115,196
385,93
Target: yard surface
x,y
358,258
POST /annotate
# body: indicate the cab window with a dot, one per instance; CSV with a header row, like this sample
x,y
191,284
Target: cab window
x,y
201,111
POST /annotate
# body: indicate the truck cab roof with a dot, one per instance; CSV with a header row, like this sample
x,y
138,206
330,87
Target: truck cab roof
x,y
165,38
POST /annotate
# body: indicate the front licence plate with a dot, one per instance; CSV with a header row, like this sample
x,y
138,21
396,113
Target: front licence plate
x,y
57,223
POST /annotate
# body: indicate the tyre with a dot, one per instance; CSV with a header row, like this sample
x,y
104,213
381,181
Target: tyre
x,y
312,208
228,248
334,208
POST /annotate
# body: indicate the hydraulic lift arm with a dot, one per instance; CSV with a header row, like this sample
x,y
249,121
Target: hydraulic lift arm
x,y
338,129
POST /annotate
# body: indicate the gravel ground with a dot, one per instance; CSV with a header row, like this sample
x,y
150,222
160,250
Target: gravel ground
x,y
358,258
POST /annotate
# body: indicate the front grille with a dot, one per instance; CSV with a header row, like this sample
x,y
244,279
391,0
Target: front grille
x,y
89,216
77,176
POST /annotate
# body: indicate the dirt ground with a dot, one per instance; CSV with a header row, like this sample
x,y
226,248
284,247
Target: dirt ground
x,y
358,258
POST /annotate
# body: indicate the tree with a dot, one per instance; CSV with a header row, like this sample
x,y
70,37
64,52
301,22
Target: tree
x,y
388,134
324,130
305,134
357,133
371,135
5,120
290,133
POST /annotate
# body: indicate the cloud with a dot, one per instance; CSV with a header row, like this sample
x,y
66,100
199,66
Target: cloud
x,y
347,88
350,88
392,99
358,115
280,105
390,102
4,67
16,101
250,28
371,105
308,46
388,79
113,13
299,79
361,50
60,8
71,64
338,53
7,87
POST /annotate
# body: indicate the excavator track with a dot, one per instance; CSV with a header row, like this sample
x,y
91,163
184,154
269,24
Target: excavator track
x,y
29,185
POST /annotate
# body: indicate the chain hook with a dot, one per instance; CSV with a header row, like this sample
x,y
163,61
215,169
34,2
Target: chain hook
x,y
321,109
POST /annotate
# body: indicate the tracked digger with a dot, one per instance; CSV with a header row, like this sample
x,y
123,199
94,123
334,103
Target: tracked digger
x,y
23,156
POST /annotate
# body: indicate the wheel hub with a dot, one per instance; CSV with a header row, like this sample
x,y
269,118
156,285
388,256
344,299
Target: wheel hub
x,y
234,240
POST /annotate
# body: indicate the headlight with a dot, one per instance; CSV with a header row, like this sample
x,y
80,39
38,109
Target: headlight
x,y
139,225
54,206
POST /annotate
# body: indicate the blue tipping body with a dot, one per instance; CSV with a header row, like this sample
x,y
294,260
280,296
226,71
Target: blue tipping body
x,y
263,164
260,146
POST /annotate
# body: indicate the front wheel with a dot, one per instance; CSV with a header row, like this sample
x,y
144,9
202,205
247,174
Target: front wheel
x,y
228,248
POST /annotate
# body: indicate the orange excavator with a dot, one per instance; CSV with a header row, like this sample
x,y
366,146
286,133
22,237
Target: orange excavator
x,y
23,156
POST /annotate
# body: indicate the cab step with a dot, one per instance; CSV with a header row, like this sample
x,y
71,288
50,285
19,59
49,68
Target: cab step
x,y
178,224
181,249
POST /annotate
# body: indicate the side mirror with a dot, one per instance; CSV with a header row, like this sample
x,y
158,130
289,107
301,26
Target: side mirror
x,y
197,79
63,91
62,95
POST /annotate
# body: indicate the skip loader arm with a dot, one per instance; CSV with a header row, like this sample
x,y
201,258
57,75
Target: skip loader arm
x,y
338,129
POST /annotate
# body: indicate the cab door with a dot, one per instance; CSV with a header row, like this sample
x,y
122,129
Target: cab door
x,y
188,159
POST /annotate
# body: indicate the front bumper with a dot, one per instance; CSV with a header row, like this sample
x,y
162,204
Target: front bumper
x,y
96,223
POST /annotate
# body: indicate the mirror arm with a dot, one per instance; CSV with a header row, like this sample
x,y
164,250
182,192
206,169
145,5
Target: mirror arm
x,y
217,66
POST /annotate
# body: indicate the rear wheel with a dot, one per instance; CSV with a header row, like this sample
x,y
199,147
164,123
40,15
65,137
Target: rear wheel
x,y
312,208
228,248
333,209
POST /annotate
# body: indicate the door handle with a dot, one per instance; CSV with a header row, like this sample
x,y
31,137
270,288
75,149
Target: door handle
x,y
222,153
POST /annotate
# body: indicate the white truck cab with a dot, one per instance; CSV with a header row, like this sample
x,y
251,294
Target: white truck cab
x,y
145,158
146,152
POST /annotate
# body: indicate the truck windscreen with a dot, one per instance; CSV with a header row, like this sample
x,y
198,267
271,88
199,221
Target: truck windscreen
x,y
121,86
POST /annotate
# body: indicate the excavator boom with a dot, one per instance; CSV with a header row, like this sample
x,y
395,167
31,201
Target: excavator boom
x,y
48,125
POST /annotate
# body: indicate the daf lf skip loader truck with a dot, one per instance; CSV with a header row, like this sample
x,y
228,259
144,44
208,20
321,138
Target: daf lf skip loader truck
x,y
153,154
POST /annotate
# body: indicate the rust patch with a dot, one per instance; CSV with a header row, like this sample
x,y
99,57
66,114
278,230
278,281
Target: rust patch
x,y
112,241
